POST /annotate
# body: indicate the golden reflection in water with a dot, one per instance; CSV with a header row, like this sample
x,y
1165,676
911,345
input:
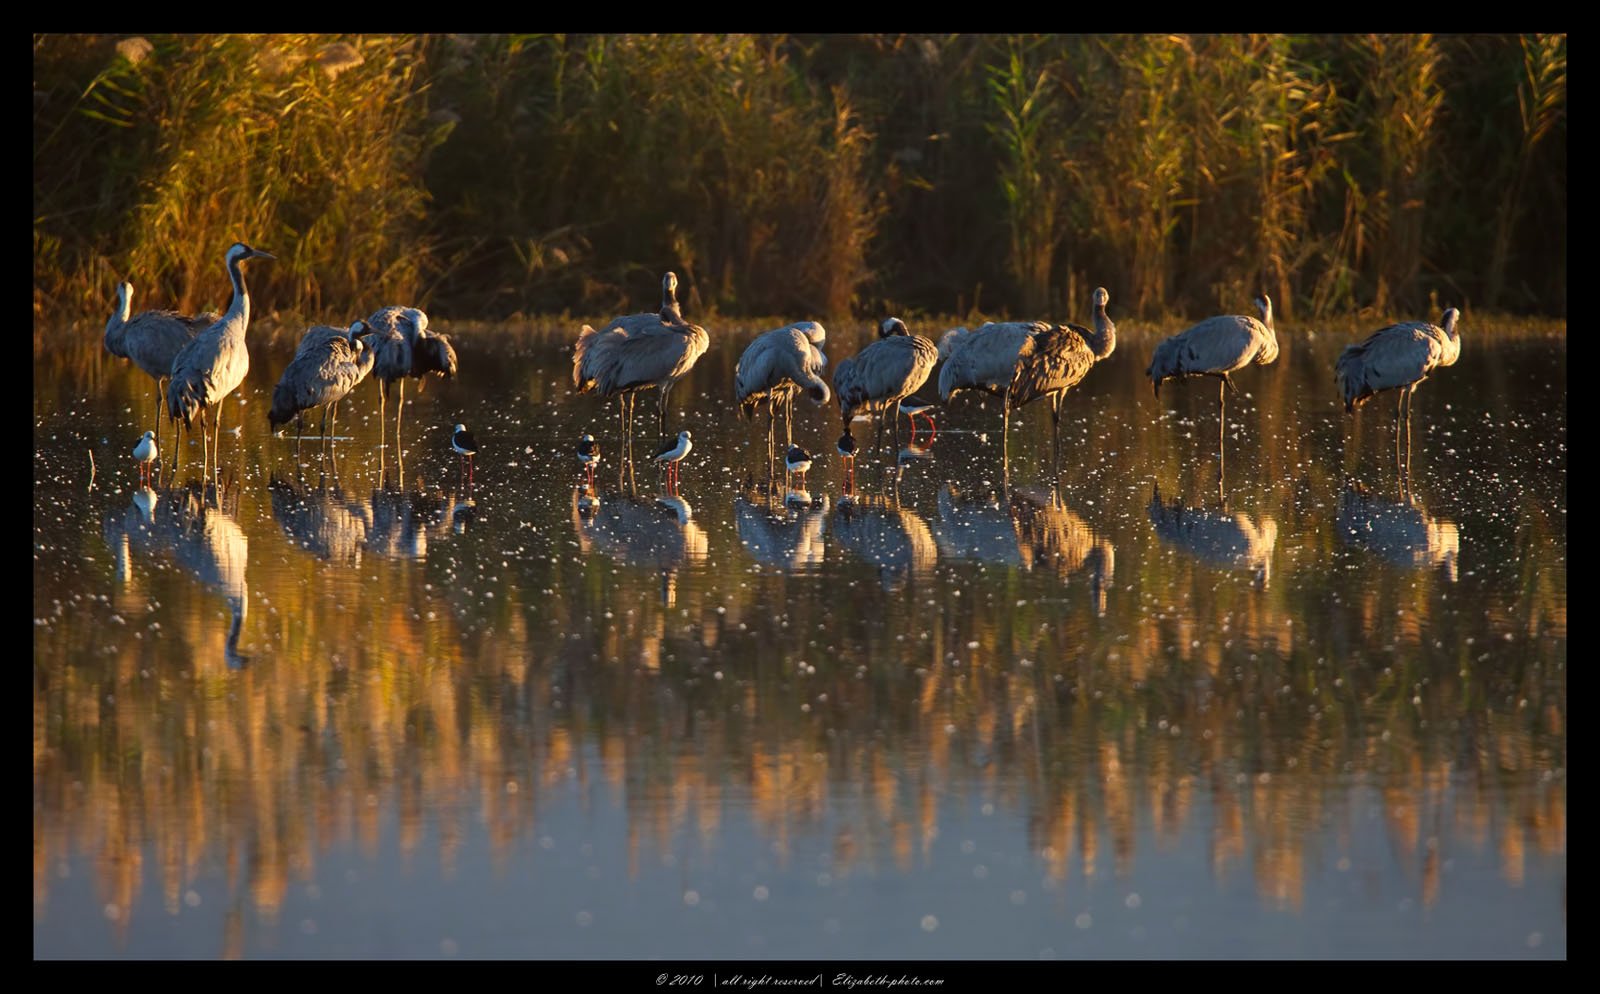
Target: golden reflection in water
x,y
1248,715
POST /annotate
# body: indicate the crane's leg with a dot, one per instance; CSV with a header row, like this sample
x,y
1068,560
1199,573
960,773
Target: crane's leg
x,y
788,417
205,445
772,416
1409,391
161,391
1005,433
661,410
1222,427
324,439
216,450
399,408
383,429
1055,428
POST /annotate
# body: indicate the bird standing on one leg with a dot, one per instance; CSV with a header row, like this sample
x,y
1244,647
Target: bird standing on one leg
x,y
1397,358
1216,347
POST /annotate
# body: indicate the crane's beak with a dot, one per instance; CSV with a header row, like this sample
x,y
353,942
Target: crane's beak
x,y
258,254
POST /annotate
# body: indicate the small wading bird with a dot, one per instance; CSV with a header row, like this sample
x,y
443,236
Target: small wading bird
x,y
461,441
671,453
912,407
639,352
329,363
846,447
776,366
403,346
213,363
1216,347
588,456
1022,361
145,453
1397,358
151,340
878,377
798,460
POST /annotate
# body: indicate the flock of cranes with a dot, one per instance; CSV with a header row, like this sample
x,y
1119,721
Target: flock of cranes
x,y
1018,362
198,361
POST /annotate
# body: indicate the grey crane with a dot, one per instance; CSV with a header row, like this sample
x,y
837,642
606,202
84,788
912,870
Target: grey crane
x,y
403,346
639,352
213,363
329,363
1216,347
875,379
1217,537
151,340
1022,361
775,367
1397,358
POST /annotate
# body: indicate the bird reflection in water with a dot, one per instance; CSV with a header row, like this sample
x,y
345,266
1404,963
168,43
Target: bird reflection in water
x,y
1217,537
659,533
783,533
876,529
203,540
1402,533
1026,527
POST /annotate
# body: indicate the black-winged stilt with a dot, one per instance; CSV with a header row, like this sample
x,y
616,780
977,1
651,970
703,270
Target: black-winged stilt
x,y
672,452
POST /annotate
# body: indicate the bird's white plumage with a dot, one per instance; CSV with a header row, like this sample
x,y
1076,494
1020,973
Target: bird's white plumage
x,y
145,450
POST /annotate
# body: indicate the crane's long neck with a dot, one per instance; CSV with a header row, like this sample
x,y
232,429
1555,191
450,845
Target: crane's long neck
x,y
1453,334
1105,333
669,304
117,326
238,315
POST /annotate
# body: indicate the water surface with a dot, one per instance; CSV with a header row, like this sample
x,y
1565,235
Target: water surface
x,y
322,714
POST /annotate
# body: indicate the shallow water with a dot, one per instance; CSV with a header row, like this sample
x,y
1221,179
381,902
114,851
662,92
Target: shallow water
x,y
943,719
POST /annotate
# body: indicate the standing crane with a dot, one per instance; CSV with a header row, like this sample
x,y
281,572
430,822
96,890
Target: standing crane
x,y
329,363
776,366
875,379
151,340
1397,358
638,352
403,346
1022,361
1216,347
213,363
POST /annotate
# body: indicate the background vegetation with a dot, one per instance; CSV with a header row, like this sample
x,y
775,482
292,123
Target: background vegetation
x,y
487,176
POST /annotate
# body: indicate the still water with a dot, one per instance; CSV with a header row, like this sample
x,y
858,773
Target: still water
x,y
324,715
